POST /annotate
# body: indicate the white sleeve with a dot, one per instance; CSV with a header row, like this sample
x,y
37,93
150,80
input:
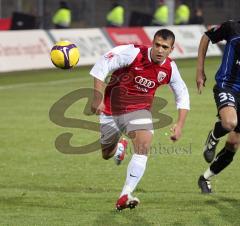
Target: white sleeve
x,y
119,57
179,89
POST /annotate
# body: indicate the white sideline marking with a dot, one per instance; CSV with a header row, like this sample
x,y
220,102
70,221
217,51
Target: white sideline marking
x,y
21,85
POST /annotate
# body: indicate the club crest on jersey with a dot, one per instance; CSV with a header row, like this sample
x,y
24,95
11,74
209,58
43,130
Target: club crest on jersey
x,y
161,75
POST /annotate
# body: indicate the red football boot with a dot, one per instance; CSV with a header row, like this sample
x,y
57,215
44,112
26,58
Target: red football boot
x,y
127,201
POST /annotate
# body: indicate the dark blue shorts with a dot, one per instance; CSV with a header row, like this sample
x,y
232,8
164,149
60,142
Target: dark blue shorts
x,y
225,98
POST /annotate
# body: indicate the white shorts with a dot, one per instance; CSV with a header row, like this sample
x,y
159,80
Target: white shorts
x,y
112,127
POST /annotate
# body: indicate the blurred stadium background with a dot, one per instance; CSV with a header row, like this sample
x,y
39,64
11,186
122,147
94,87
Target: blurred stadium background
x,y
91,13
41,186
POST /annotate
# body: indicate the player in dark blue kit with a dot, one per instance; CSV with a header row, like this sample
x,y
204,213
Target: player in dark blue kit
x,y
227,97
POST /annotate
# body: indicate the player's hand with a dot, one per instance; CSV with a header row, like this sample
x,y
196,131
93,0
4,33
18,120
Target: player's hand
x,y
176,132
97,107
200,80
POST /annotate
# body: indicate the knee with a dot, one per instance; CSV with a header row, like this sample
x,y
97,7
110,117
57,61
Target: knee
x,y
232,146
105,156
229,124
108,151
143,148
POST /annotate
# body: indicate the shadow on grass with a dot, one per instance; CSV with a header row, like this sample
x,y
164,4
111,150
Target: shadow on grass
x,y
229,208
87,189
52,188
22,201
126,217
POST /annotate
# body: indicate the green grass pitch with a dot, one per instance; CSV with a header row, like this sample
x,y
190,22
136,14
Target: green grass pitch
x,y
41,186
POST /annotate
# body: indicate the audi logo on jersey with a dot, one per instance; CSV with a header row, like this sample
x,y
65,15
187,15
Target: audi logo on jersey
x,y
144,82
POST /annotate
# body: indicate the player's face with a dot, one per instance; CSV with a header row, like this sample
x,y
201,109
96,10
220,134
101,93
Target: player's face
x,y
161,49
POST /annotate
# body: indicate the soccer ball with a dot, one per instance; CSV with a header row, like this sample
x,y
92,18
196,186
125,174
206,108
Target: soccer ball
x,y
65,54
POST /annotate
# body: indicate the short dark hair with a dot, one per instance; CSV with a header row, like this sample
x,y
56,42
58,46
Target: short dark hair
x,y
165,34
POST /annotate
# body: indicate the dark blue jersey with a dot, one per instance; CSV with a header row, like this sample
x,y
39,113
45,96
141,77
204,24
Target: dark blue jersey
x,y
228,75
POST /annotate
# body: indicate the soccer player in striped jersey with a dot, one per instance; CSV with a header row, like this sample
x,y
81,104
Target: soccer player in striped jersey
x,y
124,103
227,97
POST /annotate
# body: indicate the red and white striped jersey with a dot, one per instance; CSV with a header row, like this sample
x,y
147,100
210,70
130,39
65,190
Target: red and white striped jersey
x,y
135,78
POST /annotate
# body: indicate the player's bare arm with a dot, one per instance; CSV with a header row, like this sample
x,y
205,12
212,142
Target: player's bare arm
x,y
200,74
97,102
177,128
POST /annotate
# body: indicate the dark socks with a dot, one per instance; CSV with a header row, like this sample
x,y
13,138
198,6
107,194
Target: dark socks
x,y
219,131
222,160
